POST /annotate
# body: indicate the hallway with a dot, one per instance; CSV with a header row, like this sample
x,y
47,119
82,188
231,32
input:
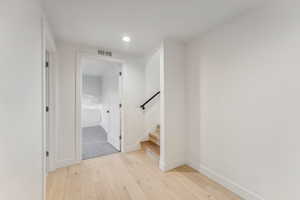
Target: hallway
x,y
94,143
133,176
196,99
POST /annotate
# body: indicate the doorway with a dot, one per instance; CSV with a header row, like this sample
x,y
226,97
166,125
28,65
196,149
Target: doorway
x,y
100,107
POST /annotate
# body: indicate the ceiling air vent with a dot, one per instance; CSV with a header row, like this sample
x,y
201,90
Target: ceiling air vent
x,y
104,52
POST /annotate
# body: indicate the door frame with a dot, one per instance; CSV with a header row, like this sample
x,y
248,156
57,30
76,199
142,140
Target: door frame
x,y
48,118
47,108
78,93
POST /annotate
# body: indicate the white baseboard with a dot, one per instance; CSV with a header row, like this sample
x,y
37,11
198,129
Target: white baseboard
x,y
65,163
131,147
227,183
166,166
114,143
51,168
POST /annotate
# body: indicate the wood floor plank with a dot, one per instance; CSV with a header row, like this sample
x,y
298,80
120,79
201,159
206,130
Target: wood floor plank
x,y
126,180
73,183
215,189
173,180
88,187
152,187
131,176
56,182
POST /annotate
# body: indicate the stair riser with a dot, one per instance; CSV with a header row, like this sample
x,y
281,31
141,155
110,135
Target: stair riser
x,y
154,140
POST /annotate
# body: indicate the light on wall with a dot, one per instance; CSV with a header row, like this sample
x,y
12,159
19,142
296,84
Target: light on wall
x,y
126,39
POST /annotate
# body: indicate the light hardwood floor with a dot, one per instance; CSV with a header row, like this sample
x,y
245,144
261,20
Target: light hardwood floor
x,y
131,176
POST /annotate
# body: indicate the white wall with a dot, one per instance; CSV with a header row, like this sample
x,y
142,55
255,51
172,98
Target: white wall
x,y
152,84
92,85
66,140
91,103
173,133
21,168
133,95
243,100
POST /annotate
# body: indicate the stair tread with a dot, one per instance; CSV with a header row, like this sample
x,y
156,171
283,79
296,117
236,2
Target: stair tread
x,y
155,135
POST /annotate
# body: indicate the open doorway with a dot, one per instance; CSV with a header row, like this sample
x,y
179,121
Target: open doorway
x,y
100,107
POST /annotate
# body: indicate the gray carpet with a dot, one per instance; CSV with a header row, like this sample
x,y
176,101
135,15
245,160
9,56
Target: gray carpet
x,y
94,143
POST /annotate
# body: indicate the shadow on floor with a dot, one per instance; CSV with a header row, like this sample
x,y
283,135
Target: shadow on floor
x,y
94,143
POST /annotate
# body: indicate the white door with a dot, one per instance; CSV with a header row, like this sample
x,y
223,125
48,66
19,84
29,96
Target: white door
x,y
119,113
117,109
115,126
111,106
114,118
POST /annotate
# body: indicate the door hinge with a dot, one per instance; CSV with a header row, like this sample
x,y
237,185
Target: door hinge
x,y
120,73
47,153
47,108
120,137
120,105
47,64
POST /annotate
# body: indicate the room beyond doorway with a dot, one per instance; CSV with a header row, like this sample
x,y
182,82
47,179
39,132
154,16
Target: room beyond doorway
x,y
100,107
95,144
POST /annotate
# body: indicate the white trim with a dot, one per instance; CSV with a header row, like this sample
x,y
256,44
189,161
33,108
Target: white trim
x,y
226,182
131,147
113,142
100,57
78,82
166,166
66,163
91,124
52,143
49,45
43,80
49,40
162,158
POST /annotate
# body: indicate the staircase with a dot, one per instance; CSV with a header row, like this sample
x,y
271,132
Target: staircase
x,y
152,146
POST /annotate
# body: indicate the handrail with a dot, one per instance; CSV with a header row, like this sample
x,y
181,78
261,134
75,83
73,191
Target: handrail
x,y
143,105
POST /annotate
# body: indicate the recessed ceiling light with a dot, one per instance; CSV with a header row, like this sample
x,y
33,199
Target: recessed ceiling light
x,y
126,39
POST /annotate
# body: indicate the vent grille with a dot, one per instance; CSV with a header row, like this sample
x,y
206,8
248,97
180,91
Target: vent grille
x,y
104,52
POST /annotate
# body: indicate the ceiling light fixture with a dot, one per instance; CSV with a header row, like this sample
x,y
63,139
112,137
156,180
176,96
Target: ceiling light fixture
x,y
126,39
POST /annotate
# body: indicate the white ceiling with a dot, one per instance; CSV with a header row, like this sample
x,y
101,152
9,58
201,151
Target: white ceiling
x,y
98,67
103,22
